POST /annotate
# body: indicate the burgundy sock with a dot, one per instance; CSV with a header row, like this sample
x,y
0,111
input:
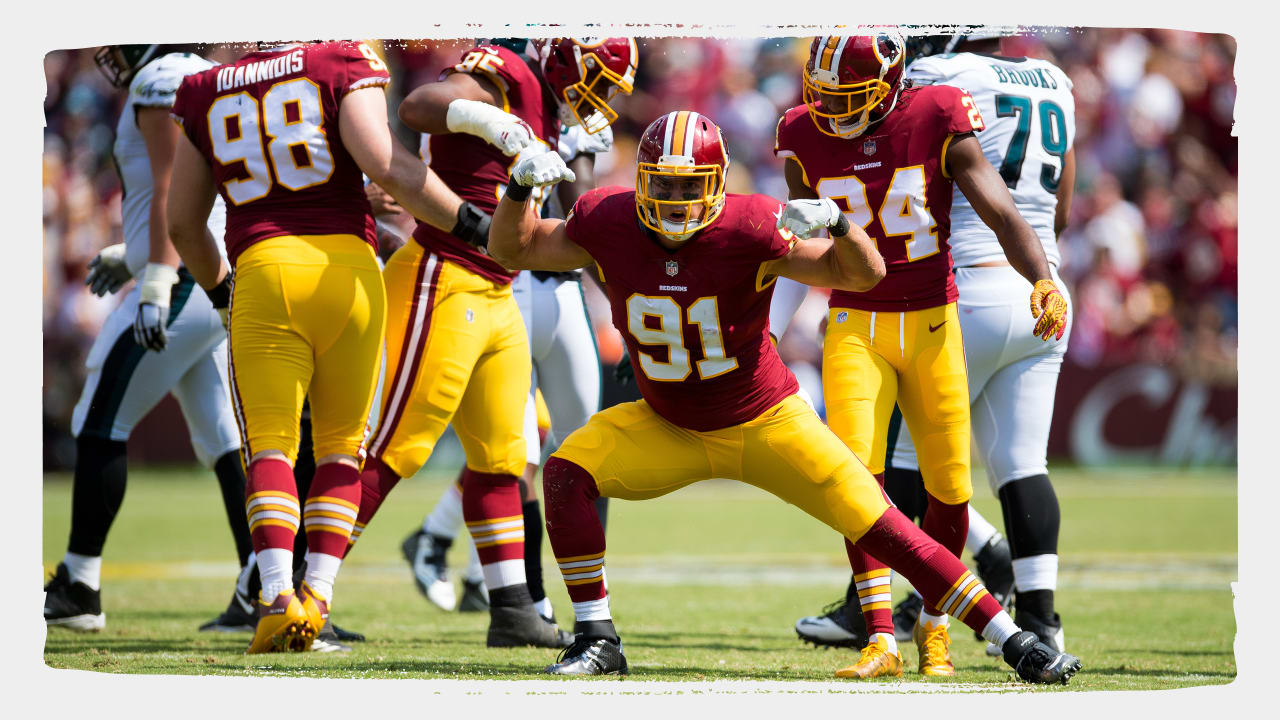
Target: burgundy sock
x,y
491,508
574,528
271,504
332,506
872,579
376,481
949,525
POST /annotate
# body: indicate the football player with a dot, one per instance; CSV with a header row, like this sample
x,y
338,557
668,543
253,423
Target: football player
x,y
164,337
456,347
889,156
689,285
1030,129
283,135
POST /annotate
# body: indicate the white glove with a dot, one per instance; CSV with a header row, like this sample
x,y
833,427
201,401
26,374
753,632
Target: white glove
x,y
545,168
802,217
591,144
495,126
108,271
157,282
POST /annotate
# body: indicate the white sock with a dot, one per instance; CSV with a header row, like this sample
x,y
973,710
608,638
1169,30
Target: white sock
x,y
503,573
275,567
543,607
980,532
445,519
474,572
926,618
1038,572
85,569
322,572
889,639
246,574
1000,628
592,610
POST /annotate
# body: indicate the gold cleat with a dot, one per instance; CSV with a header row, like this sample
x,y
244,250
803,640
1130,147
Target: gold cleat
x,y
316,607
934,644
283,626
876,661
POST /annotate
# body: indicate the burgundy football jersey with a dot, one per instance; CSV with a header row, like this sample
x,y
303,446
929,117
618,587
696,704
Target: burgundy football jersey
x,y
268,125
695,319
477,171
889,181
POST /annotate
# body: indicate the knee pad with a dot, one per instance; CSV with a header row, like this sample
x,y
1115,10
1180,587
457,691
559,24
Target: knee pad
x,y
1031,516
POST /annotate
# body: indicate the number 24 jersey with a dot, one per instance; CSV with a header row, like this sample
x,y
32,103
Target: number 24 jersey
x,y
891,182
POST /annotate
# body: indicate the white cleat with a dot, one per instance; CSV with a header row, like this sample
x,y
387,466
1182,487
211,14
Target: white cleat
x,y
429,572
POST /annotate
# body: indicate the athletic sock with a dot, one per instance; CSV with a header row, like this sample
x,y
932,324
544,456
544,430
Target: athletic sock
x,y
949,525
96,493
927,618
1032,518
271,505
543,607
873,579
475,571
275,567
889,640
85,569
980,532
231,482
574,529
445,519
375,483
245,579
533,549
322,571
491,507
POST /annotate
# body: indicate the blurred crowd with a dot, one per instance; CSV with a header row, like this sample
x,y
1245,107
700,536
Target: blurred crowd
x,y
1150,254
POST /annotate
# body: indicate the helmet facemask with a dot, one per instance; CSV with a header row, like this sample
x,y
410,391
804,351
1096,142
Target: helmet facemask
x,y
586,102
692,196
121,62
841,110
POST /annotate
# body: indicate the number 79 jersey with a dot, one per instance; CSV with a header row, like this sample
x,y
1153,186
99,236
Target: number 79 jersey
x,y
268,125
892,182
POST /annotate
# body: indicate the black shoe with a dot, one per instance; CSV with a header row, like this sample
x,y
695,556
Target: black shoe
x,y
238,617
475,598
329,640
72,605
1049,631
839,625
904,617
343,635
522,625
426,557
1036,662
590,656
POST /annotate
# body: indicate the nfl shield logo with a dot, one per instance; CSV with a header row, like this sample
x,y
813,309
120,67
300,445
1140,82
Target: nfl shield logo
x,y
673,267
869,147
842,316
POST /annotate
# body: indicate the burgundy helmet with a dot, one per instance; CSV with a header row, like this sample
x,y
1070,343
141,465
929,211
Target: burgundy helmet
x,y
852,82
681,162
585,74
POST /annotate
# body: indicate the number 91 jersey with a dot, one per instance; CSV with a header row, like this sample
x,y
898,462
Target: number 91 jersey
x,y
268,125
891,181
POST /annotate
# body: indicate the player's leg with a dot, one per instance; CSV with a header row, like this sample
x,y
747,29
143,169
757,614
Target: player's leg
x,y
628,452
859,385
426,548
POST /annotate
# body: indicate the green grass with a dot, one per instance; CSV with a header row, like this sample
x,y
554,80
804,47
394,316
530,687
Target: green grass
x,y
706,584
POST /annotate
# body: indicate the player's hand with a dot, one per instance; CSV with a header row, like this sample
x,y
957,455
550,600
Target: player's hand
x,y
546,168
108,271
511,136
492,124
623,372
154,287
380,201
1050,310
803,217
597,143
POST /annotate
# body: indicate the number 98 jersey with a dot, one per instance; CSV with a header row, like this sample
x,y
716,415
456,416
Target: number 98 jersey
x,y
268,124
891,181
1031,124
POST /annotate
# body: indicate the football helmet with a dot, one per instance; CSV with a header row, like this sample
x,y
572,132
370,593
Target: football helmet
x,y
852,82
585,74
680,174
121,62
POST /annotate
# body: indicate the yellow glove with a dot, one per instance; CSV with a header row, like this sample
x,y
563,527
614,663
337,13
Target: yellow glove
x,y
1050,309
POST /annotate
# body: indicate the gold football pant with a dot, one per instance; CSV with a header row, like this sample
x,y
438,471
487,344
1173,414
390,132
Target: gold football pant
x,y
456,351
635,454
870,360
307,317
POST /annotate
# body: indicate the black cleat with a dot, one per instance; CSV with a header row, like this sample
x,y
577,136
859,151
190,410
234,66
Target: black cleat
x,y
1036,662
522,625
904,617
475,597
840,625
590,656
238,617
1049,631
343,635
72,605
329,639
426,557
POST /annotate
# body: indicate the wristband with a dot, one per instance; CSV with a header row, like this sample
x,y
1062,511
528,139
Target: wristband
x,y
518,192
841,228
472,226
220,294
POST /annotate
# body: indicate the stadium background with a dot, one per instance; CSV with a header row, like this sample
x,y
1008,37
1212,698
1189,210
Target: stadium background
x,y
1150,253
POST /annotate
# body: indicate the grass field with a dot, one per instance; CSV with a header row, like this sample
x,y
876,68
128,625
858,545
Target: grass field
x,y
706,584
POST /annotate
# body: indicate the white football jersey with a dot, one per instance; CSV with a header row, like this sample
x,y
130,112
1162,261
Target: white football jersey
x,y
1031,123
155,85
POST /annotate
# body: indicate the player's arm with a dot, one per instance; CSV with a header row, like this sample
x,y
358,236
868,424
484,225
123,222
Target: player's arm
x,y
160,135
796,187
521,240
990,198
1066,191
848,260
465,103
191,196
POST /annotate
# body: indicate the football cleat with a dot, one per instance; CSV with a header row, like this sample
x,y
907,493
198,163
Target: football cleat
x,y
1049,631
904,617
475,597
342,634
521,626
875,661
328,640
430,574
590,656
283,626
1036,662
238,617
72,605
316,607
934,644
840,625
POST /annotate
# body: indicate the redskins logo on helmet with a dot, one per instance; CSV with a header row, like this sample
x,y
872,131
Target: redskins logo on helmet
x,y
585,74
852,82
680,174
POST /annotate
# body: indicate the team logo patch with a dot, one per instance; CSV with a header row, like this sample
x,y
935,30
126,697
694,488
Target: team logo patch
x,y
869,147
471,316
673,267
842,316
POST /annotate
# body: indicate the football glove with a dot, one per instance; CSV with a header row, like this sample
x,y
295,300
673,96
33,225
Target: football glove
x,y
597,143
803,217
623,372
1050,310
546,168
154,287
495,126
220,298
108,271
